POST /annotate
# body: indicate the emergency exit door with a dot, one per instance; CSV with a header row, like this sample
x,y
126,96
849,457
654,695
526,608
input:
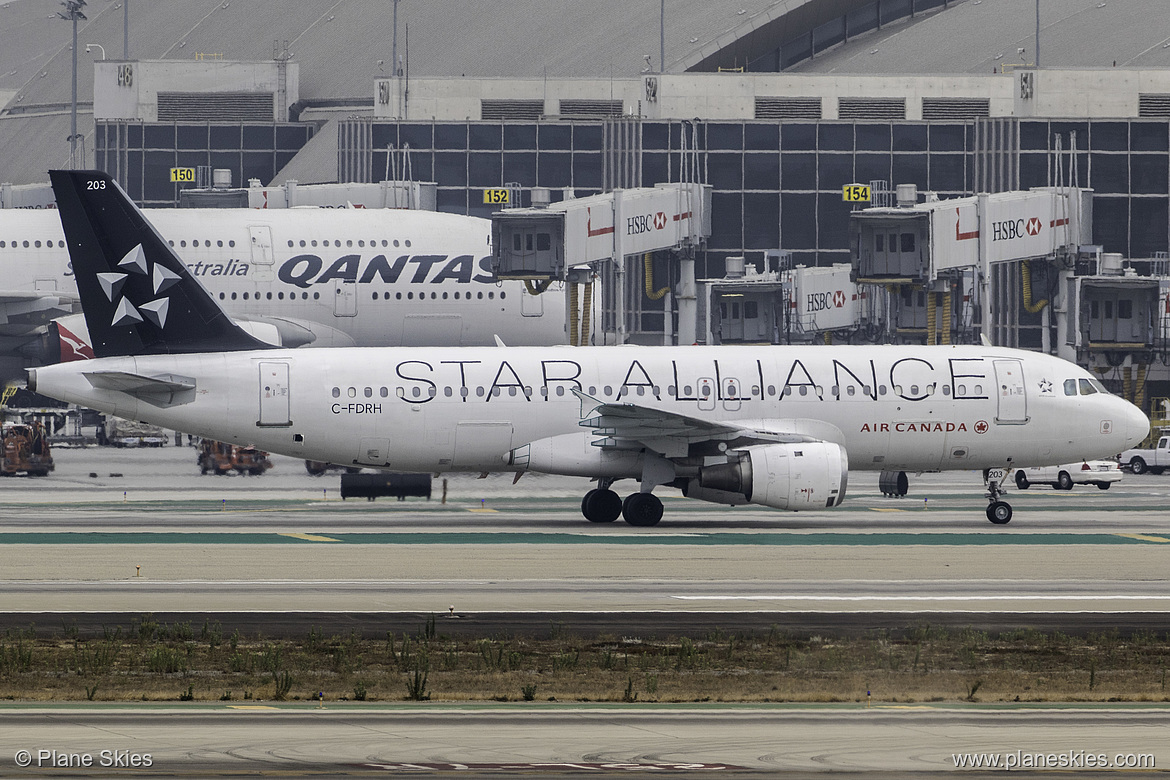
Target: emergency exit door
x,y
274,395
1013,402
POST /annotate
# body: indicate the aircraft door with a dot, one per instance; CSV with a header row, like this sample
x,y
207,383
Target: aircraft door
x,y
531,305
260,238
374,451
482,445
274,395
731,394
344,299
1013,402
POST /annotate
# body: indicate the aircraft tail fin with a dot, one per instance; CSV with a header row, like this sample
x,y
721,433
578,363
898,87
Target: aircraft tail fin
x,y
137,295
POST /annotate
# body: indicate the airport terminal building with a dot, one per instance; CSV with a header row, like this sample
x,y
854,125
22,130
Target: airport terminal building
x,y
777,107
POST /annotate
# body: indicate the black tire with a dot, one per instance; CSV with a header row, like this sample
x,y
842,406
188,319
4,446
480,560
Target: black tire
x,y
1137,465
999,512
1064,481
1022,480
1103,485
315,468
642,509
601,506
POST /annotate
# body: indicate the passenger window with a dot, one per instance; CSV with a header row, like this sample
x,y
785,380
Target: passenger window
x,y
1070,387
851,390
352,392
447,392
369,392
560,390
415,392
382,391
608,390
337,392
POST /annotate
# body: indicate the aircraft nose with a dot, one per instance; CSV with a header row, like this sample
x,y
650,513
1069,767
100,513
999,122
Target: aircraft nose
x,y
1137,425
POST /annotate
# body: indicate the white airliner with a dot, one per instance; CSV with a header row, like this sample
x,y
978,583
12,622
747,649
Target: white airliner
x,y
326,277
774,426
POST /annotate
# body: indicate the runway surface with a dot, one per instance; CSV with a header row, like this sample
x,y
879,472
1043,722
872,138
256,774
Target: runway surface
x,y
114,534
549,739
162,538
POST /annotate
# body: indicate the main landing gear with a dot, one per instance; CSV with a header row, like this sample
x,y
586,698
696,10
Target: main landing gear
x,y
998,511
602,505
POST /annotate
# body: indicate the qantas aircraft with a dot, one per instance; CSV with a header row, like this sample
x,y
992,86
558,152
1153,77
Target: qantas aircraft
x,y
326,277
774,426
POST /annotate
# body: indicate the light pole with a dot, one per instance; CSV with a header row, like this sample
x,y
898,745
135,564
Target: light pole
x,y
662,37
125,30
73,12
89,46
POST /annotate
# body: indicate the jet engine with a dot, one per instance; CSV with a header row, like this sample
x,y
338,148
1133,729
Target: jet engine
x,y
807,475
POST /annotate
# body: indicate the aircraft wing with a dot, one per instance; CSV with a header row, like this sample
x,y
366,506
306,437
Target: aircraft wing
x,y
24,309
628,425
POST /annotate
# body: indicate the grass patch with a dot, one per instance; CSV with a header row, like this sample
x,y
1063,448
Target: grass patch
x,y
153,661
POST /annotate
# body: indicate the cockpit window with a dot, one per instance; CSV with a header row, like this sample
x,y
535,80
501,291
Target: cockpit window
x,y
1100,387
1070,387
1087,387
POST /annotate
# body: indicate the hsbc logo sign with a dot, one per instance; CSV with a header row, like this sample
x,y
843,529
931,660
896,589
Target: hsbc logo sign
x,y
1008,229
644,223
824,300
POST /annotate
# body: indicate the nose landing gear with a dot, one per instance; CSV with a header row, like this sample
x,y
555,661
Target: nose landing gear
x,y
998,511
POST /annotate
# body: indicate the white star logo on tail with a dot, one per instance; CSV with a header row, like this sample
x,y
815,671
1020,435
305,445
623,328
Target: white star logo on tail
x,y
111,284
156,310
134,260
164,279
126,314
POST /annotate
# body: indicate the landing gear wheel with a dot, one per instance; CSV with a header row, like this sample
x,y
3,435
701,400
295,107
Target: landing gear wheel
x,y
601,506
642,509
999,512
1064,481
1022,480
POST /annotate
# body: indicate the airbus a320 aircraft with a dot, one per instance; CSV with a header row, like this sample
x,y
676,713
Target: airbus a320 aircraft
x,y
775,426
325,277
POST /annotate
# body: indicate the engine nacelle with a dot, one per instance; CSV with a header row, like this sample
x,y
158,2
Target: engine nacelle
x,y
808,475
573,455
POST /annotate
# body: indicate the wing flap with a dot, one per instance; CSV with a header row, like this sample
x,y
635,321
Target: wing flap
x,y
624,425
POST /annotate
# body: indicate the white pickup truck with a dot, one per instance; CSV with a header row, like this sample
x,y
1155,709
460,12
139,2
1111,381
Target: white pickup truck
x,y
1154,461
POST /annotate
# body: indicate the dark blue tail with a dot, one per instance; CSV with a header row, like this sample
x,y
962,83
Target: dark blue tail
x,y
137,295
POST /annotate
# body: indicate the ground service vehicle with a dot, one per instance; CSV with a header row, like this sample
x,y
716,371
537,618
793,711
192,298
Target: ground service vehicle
x,y
120,432
25,449
219,458
1101,473
1154,461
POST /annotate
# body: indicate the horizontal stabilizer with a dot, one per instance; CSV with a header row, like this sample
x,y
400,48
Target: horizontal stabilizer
x,y
163,390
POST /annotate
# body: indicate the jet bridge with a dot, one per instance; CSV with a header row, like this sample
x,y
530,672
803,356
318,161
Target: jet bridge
x,y
985,263
639,244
